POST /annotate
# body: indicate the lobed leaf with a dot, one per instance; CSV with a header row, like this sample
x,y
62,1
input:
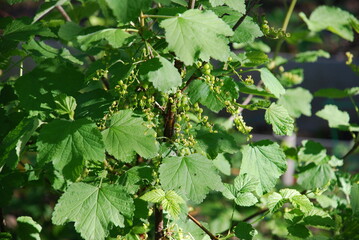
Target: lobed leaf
x,y
193,176
93,209
197,35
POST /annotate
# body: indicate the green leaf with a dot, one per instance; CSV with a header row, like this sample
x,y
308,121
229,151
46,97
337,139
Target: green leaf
x,y
326,201
162,73
247,32
276,200
331,93
115,37
15,141
311,152
316,176
258,158
245,231
6,235
21,30
40,51
93,209
193,176
311,56
282,123
49,7
238,5
155,196
245,199
222,164
171,203
302,202
65,105
28,229
297,101
241,190
197,35
200,91
69,31
128,134
38,88
271,82
252,89
132,178
299,230
127,10
318,217
332,19
68,144
334,116
354,198
245,183
253,58
216,142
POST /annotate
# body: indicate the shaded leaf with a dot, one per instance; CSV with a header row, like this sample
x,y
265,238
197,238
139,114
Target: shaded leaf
x,y
245,231
15,141
28,229
68,144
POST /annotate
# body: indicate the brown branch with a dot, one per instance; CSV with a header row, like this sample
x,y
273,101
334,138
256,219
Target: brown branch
x,y
191,4
188,82
159,223
255,215
211,235
247,219
169,121
249,9
64,13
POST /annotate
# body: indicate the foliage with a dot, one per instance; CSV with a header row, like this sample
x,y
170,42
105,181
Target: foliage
x,y
114,122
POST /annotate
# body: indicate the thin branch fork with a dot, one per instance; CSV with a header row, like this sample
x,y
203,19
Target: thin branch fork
x,y
249,9
64,13
191,4
211,235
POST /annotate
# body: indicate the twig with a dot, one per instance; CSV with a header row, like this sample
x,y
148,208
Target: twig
x,y
188,82
211,235
284,27
246,101
64,13
239,22
355,146
155,16
159,223
191,4
255,215
289,14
